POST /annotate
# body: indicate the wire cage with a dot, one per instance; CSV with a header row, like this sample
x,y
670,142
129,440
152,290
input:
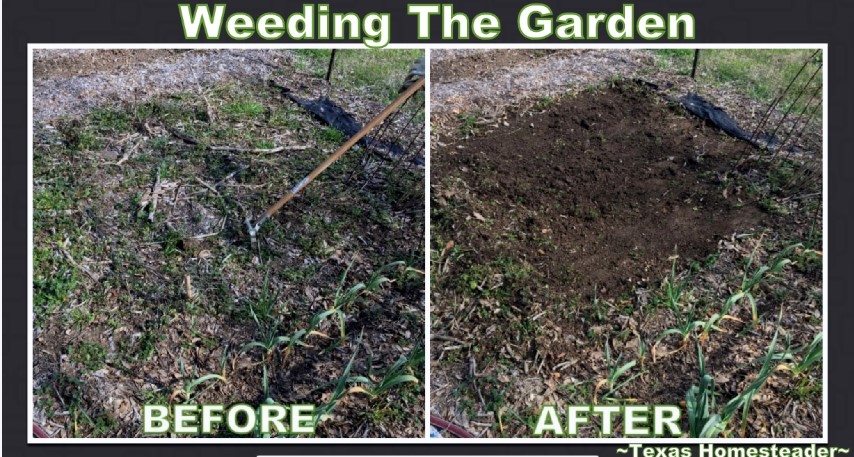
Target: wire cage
x,y
782,144
397,146
790,132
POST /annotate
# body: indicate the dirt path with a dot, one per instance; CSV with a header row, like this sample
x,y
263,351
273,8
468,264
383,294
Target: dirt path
x,y
69,83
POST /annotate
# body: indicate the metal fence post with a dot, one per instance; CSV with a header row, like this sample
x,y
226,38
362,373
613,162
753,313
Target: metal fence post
x,y
694,66
331,63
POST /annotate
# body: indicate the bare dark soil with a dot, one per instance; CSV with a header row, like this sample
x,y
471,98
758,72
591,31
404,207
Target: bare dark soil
x,y
594,195
554,234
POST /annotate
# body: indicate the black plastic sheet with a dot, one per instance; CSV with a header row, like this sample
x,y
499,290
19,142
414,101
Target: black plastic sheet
x,y
334,116
718,118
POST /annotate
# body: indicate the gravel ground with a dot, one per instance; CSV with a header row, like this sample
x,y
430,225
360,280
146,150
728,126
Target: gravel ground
x,y
69,83
531,73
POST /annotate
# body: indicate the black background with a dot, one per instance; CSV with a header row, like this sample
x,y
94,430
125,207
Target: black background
x,y
137,21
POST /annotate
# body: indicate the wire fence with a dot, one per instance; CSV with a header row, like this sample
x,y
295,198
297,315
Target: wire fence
x,y
788,135
398,144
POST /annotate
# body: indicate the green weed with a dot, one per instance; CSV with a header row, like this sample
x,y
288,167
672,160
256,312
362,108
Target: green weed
x,y
700,399
91,355
468,124
244,109
616,370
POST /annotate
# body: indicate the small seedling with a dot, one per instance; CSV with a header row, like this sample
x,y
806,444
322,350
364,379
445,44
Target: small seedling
x,y
701,404
763,274
616,371
673,288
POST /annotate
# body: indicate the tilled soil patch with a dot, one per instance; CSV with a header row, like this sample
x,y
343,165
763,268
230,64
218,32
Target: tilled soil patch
x,y
596,193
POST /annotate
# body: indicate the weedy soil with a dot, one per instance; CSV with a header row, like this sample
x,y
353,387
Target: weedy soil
x,y
146,287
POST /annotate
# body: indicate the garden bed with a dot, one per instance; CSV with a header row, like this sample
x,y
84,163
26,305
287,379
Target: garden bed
x,y
570,238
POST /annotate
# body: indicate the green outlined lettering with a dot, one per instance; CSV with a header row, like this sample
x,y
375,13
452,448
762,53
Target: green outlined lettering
x,y
629,420
240,419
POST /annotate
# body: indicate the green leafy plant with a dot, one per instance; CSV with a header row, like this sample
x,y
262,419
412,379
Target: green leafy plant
x,y
399,373
703,422
343,297
751,280
673,288
711,324
615,372
262,308
812,354
745,399
339,391
685,326
700,402
91,355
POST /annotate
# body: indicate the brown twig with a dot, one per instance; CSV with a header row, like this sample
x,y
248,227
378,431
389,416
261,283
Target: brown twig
x,y
210,111
128,153
449,339
188,287
255,150
155,195
190,140
230,175
208,186
77,265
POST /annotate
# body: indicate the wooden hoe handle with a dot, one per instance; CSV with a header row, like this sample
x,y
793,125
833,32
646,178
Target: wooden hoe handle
x,y
409,92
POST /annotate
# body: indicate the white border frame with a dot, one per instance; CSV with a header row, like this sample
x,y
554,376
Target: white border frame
x,y
428,47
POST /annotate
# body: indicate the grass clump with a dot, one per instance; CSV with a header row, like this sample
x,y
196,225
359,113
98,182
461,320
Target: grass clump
x,y
377,73
89,354
761,74
244,109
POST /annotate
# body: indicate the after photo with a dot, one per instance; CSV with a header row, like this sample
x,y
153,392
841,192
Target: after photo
x,y
623,228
